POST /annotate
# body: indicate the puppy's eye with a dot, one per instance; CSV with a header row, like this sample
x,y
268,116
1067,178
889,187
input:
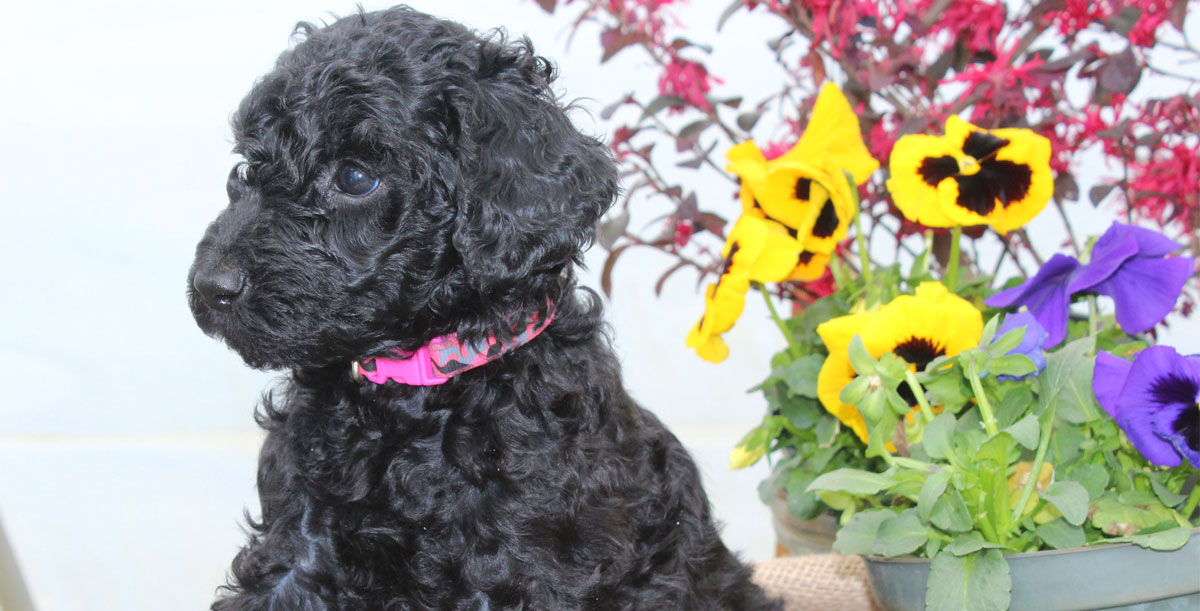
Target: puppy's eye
x,y
353,180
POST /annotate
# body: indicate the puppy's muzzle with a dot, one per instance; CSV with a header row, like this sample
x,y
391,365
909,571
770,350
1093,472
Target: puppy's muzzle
x,y
219,286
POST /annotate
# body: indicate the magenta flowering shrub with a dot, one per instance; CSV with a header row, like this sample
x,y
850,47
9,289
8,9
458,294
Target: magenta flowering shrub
x,y
905,67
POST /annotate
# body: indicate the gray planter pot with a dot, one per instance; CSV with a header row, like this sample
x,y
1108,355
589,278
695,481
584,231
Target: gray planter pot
x,y
796,537
1101,577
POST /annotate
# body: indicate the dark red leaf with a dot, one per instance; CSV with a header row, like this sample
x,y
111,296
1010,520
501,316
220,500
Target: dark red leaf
x,y
1124,21
687,208
1066,188
747,120
547,5
606,273
691,132
817,65
658,286
1177,14
711,223
611,229
682,43
661,102
1099,192
614,41
729,11
607,112
733,102
1121,72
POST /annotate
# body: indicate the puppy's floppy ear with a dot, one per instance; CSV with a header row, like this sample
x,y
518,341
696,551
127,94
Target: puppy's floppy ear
x,y
534,187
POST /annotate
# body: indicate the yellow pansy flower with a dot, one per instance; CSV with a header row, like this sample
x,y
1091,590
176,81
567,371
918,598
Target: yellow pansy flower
x,y
757,250
918,328
810,266
971,176
806,190
833,133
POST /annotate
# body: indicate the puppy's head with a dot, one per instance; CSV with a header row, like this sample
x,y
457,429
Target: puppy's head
x,y
402,179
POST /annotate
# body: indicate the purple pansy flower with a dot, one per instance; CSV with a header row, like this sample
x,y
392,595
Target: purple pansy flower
x,y
1045,295
1032,343
1155,400
1128,264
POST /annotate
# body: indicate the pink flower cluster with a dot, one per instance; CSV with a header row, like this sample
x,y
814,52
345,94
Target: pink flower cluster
x,y
688,80
976,22
1077,15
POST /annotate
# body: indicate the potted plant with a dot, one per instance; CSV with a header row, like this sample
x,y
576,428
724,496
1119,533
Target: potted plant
x,y
952,395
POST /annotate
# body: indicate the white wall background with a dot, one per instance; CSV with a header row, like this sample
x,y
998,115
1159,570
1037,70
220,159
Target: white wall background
x,y
127,447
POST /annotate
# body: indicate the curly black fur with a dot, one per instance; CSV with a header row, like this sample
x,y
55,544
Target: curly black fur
x,y
533,482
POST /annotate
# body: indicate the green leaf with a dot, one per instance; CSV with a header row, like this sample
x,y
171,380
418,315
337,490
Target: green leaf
x,y
802,502
1015,365
801,375
1093,478
1065,445
933,488
860,359
900,534
1071,498
947,388
992,460
1067,381
802,412
989,332
908,483
826,430
1008,342
839,501
938,434
950,513
858,535
1164,494
854,481
1128,513
854,392
970,542
1060,535
1026,432
1165,540
1015,402
979,581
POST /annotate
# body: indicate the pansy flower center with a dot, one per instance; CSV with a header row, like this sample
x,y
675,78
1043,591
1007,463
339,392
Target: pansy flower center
x,y
918,352
968,165
1172,388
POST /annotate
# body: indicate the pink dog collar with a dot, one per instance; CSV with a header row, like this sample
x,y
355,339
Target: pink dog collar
x,y
443,358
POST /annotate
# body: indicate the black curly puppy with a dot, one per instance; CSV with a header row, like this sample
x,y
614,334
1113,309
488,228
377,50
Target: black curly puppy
x,y
407,183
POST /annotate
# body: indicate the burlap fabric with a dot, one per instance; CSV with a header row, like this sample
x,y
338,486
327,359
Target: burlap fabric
x,y
817,582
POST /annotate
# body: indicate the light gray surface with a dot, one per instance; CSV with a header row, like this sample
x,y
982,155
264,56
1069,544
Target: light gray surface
x,y
126,440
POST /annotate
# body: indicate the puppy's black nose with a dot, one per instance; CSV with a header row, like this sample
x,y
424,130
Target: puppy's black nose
x,y
221,286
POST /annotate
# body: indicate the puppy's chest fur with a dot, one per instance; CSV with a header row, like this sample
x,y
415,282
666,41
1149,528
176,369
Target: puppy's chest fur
x,y
472,496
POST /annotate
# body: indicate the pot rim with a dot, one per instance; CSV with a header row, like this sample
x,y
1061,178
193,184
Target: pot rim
x,y
1041,553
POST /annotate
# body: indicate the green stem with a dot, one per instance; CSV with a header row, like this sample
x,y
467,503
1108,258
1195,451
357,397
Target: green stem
x,y
793,347
919,393
952,265
1093,316
985,406
864,258
1192,500
1036,469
